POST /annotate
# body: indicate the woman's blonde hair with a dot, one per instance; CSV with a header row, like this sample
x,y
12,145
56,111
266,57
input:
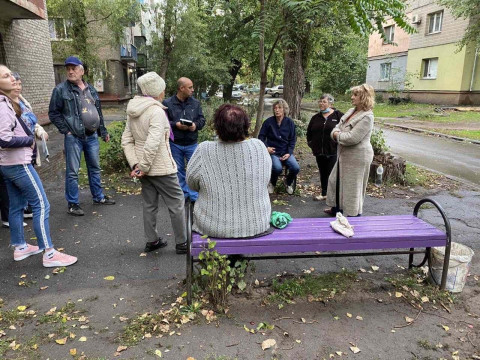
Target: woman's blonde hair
x,y
283,104
367,96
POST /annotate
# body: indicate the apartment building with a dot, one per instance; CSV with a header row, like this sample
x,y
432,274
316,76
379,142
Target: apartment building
x,y
433,67
25,48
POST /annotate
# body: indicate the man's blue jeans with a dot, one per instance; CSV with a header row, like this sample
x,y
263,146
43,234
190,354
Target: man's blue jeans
x,y
24,186
277,167
180,154
73,151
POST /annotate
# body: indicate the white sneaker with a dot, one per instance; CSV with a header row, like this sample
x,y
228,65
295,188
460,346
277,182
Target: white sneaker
x,y
6,224
289,189
270,188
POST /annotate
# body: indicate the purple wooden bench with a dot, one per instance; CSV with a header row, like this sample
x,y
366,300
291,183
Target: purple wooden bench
x,y
311,237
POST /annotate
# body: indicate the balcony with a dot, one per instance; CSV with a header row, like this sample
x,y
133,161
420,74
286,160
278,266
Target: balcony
x,y
128,56
22,9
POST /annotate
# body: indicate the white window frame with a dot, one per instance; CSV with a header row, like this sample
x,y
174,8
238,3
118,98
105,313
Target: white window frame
x,y
428,71
436,19
52,22
390,34
385,75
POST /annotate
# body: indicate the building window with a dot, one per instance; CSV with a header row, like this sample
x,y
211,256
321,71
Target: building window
x,y
60,28
435,22
389,34
385,71
430,68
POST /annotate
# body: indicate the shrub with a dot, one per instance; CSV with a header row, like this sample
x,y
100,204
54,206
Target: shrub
x,y
378,141
112,158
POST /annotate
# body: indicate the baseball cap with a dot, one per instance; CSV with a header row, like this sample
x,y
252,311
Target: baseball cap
x,y
72,60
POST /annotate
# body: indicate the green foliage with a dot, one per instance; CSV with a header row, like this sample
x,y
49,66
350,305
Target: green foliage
x,y
217,277
464,9
378,141
319,287
94,24
112,158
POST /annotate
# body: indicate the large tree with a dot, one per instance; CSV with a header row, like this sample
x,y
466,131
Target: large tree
x,y
466,9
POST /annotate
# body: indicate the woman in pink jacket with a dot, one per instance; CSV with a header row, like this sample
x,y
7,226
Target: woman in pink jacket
x,y
23,183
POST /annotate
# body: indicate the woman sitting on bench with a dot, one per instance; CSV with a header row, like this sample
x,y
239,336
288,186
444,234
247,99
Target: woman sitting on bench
x,y
231,176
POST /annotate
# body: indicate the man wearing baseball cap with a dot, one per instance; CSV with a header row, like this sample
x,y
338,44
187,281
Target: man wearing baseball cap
x,y
76,111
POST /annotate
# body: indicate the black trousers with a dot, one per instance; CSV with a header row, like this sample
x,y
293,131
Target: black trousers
x,y
325,165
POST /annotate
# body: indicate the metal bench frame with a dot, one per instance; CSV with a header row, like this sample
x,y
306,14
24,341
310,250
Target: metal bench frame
x,y
411,252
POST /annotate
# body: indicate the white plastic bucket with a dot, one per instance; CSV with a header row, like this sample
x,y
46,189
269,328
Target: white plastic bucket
x,y
458,266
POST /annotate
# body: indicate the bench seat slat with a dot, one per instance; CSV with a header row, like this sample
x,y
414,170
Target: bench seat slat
x,y
315,234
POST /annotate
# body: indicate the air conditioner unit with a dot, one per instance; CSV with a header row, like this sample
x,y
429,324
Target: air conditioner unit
x,y
416,19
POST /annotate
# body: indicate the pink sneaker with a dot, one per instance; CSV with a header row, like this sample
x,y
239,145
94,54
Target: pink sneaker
x,y
59,259
28,251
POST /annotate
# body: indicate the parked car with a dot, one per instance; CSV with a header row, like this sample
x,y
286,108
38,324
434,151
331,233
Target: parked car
x,y
276,91
252,89
267,90
236,95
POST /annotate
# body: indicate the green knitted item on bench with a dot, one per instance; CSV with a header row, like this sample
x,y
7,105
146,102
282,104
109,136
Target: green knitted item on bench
x,y
280,220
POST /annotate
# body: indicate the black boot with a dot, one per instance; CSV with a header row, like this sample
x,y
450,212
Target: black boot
x,y
154,245
181,248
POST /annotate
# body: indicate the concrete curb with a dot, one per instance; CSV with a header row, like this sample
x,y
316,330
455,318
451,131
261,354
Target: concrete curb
x,y
406,128
428,132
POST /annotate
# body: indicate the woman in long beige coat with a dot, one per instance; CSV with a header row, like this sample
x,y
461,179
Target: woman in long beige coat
x,y
355,154
145,143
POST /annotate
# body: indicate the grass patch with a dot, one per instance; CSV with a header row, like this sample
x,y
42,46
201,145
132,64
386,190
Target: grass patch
x,y
59,316
315,287
426,345
414,285
467,134
414,176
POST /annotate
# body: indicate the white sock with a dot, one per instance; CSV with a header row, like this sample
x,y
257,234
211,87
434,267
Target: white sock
x,y
21,247
50,253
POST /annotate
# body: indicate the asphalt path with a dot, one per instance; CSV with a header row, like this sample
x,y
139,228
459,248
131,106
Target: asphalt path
x,y
456,159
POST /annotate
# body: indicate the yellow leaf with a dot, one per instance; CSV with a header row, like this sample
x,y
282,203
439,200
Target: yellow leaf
x,y
158,353
121,348
61,341
83,339
143,254
190,358
73,352
349,315
34,346
425,299
44,288
398,294
23,276
267,344
354,349
359,318
375,268
110,278
21,308
339,353
445,327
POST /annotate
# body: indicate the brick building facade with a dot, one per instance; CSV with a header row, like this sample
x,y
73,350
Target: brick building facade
x,y
25,48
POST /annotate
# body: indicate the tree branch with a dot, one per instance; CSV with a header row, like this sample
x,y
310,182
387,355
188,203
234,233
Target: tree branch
x,y
105,18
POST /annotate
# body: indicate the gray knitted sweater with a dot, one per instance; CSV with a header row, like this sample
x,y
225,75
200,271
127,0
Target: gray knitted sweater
x,y
231,180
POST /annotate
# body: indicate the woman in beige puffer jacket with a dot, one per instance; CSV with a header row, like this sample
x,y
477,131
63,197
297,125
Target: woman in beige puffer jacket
x,y
145,143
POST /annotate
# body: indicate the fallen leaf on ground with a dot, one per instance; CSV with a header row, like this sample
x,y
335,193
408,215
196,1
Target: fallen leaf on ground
x,y
445,327
61,341
425,299
398,294
23,276
267,344
408,319
21,308
143,254
158,353
73,352
354,349
109,278
43,287
349,315
359,317
83,339
121,348
375,268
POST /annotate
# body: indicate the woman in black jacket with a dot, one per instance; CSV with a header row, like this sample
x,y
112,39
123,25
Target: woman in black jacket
x,y
318,139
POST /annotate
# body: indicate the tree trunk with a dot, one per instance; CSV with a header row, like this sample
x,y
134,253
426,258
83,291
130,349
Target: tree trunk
x,y
233,71
294,81
263,71
168,38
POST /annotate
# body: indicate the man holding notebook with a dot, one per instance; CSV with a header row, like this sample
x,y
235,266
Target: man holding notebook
x,y
186,119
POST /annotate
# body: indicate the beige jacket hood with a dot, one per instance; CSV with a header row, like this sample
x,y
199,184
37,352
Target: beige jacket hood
x,y
145,140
